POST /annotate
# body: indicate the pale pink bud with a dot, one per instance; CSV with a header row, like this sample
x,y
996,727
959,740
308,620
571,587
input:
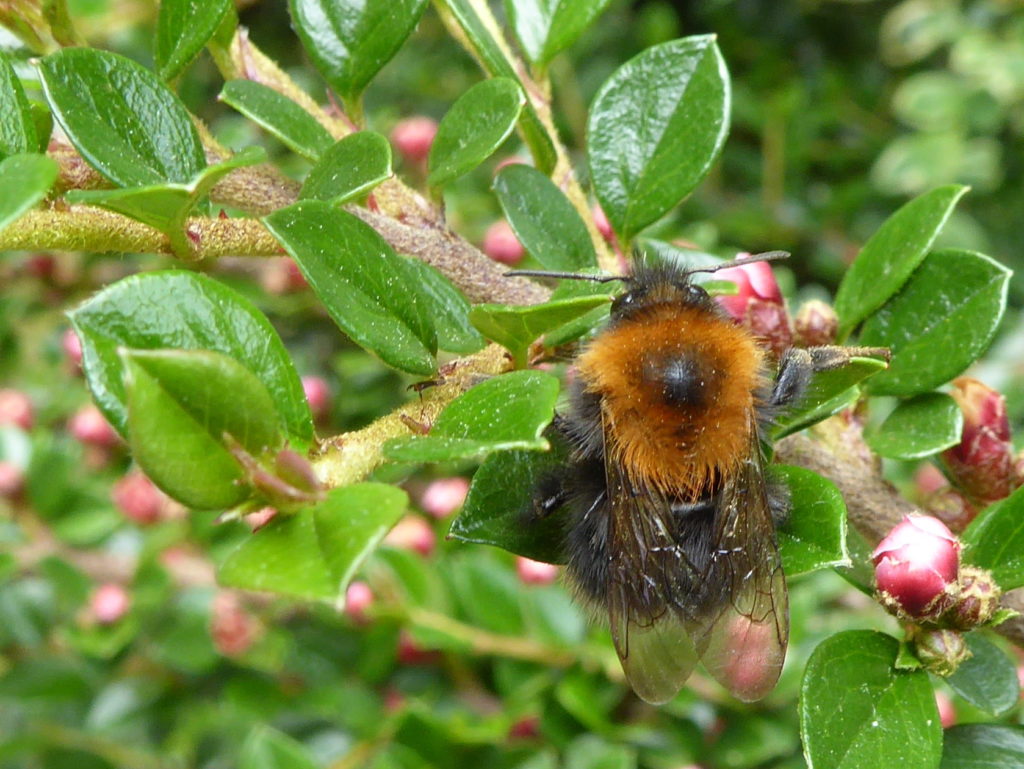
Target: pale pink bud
x,y
72,347
138,498
233,629
109,602
282,276
928,479
916,564
758,303
318,394
90,427
261,517
601,222
413,137
982,464
501,244
358,598
15,409
444,496
535,572
12,479
412,533
947,713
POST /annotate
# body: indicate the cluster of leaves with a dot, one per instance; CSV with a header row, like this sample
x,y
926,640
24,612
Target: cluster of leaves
x,y
196,379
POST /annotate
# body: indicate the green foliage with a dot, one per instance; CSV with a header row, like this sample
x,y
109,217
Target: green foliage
x,y
988,678
183,29
994,541
349,168
24,181
918,427
279,115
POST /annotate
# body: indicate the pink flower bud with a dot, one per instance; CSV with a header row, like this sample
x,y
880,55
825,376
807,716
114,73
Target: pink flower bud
x,y
412,533
758,304
72,347
413,137
318,393
602,223
138,498
501,244
15,409
535,572
411,653
951,507
815,324
982,464
525,728
977,600
90,427
444,496
233,629
916,566
358,598
282,276
12,479
947,713
109,603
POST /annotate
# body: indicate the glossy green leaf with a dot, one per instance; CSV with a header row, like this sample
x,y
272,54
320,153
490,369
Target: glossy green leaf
x,y
546,27
279,115
544,220
181,406
655,128
125,123
500,508
167,206
314,553
448,308
24,181
267,748
983,746
919,427
590,751
183,28
491,55
204,315
350,40
988,678
17,125
939,323
473,128
828,393
366,287
892,254
814,535
857,711
995,540
349,168
516,327
502,413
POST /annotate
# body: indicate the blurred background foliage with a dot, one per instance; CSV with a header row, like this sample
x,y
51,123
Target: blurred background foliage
x,y
842,111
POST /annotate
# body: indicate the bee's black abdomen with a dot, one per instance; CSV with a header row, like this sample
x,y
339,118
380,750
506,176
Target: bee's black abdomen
x,y
587,540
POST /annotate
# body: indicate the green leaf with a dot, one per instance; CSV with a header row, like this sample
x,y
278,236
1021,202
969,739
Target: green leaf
x,y
448,308
500,508
492,58
505,412
857,711
919,427
544,220
473,128
349,169
314,553
350,40
205,315
168,206
125,123
17,125
892,254
655,128
828,393
983,746
814,535
516,327
592,752
24,181
267,748
546,27
181,405
183,27
988,678
365,286
939,323
995,541
282,117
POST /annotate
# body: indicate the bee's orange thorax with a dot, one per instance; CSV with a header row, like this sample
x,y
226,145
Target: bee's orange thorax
x,y
682,449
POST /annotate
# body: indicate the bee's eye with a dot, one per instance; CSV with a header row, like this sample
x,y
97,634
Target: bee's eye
x,y
695,293
623,302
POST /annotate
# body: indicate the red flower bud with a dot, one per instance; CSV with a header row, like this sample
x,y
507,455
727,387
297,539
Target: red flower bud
x,y
501,244
358,598
72,347
318,393
138,498
535,572
526,728
411,653
412,533
109,603
413,137
982,464
977,601
815,324
758,304
444,496
916,566
15,409
233,629
90,427
947,713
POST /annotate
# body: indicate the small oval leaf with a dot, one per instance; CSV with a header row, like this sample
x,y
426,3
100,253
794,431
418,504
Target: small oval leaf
x,y
349,168
919,427
279,115
448,308
24,181
983,746
994,540
988,678
17,126
814,535
473,128
655,128
544,28
183,27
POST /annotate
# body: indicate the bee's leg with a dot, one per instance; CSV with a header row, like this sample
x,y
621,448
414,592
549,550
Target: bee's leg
x,y
799,364
551,495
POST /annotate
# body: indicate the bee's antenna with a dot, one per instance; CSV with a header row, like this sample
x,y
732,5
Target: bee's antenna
x,y
766,256
567,275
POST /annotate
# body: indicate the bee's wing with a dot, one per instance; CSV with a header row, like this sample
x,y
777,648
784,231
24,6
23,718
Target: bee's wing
x,y
744,646
647,576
